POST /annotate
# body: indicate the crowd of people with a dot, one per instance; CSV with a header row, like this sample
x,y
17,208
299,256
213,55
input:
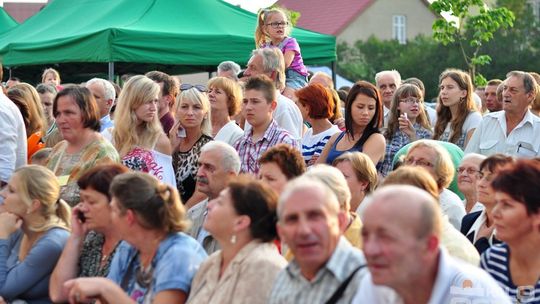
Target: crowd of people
x,y
268,185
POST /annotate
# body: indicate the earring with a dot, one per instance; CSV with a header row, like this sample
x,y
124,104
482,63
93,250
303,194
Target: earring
x,y
233,239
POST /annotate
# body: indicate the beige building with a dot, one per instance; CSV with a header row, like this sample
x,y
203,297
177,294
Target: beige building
x,y
352,20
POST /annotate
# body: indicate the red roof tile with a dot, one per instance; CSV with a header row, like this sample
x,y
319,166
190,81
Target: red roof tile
x,y
327,17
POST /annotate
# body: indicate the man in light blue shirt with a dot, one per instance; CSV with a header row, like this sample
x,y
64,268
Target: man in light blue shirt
x,y
105,95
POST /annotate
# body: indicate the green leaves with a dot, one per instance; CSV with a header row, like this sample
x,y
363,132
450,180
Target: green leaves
x,y
472,29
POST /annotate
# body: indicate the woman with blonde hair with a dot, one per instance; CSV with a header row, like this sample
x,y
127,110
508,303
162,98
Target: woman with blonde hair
x,y
157,260
457,116
225,96
191,131
34,226
361,176
137,134
407,122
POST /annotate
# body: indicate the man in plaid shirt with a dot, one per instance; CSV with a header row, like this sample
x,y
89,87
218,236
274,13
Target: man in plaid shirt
x,y
258,105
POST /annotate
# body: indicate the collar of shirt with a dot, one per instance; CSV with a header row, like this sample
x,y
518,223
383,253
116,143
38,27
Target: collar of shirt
x,y
528,118
338,264
272,128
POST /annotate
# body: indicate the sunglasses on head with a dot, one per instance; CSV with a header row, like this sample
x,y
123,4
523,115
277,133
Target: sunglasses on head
x,y
187,86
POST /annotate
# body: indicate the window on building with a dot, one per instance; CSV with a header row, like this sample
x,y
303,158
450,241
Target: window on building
x,y
399,28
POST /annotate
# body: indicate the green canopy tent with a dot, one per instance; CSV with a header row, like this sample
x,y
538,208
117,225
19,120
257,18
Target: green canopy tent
x,y
6,21
172,35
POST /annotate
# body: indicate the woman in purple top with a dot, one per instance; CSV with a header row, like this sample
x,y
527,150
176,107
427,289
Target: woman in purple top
x,y
273,31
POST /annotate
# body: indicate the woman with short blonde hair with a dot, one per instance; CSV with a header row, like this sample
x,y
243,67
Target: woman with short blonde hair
x,y
192,130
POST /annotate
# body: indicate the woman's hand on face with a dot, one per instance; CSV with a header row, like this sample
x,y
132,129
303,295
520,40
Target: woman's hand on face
x,y
9,223
78,227
340,123
406,126
173,136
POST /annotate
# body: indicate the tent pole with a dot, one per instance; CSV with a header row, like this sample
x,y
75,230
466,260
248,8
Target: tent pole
x,y
334,68
111,71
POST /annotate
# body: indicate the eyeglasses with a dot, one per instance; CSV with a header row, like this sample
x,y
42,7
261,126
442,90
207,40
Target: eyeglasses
x,y
470,171
278,24
418,162
411,100
187,86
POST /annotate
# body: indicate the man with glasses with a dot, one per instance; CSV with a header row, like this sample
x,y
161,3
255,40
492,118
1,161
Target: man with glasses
x,y
430,155
515,130
167,97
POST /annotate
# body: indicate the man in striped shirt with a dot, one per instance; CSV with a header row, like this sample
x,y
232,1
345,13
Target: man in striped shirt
x,y
258,105
326,268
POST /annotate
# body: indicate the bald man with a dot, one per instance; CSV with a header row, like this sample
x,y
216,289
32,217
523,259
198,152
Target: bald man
x,y
403,253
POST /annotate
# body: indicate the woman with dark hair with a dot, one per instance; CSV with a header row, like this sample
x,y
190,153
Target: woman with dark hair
x,y
77,117
243,221
157,261
316,105
407,122
457,116
93,241
34,226
280,164
515,264
363,118
479,226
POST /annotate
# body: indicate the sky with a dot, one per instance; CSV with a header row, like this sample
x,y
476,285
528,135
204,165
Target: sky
x,y
252,5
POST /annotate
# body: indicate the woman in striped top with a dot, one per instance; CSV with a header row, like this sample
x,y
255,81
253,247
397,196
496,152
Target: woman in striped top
x,y
515,264
316,105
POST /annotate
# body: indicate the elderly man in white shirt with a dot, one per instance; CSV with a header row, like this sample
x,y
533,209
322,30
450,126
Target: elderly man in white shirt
x,y
405,260
514,130
270,62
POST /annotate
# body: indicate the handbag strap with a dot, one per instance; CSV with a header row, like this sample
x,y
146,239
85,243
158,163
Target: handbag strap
x,y
341,289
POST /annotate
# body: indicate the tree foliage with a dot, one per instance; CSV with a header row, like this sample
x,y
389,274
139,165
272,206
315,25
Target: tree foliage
x,y
470,31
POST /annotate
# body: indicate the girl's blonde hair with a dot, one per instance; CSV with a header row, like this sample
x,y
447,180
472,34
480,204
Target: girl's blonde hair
x,y
264,14
53,71
200,98
466,106
127,132
404,91
39,183
232,89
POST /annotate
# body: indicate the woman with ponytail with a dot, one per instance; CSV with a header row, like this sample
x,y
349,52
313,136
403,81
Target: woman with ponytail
x,y
157,261
34,226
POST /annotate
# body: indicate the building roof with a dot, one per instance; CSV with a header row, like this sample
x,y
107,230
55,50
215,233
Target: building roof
x,y
328,17
324,16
